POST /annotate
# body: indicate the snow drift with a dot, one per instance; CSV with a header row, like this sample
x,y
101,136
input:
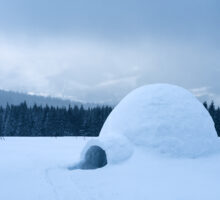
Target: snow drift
x,y
160,117
34,168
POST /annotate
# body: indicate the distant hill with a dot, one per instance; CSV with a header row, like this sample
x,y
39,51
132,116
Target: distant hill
x,y
16,98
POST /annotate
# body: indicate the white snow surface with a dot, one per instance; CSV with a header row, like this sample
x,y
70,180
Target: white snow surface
x,y
160,117
37,169
148,126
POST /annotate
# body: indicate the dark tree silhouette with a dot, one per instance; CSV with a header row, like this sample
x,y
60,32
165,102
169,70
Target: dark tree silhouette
x,y
215,114
21,120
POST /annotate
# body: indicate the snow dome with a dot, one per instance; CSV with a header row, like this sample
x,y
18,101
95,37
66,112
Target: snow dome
x,y
160,117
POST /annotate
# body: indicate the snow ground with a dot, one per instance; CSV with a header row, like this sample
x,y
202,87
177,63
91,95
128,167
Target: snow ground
x,y
37,168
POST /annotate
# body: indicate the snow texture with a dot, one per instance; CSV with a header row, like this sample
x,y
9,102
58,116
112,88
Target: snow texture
x,y
160,117
37,168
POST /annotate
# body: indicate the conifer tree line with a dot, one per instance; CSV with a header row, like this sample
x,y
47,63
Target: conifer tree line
x,y
215,114
21,120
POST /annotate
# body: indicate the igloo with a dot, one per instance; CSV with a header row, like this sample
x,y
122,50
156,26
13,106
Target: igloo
x,y
163,118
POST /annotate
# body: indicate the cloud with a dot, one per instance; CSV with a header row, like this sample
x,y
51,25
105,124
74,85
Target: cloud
x,y
99,51
198,92
94,70
117,19
206,94
64,67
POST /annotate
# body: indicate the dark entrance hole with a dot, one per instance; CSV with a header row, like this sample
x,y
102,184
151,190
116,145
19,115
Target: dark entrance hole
x,y
95,157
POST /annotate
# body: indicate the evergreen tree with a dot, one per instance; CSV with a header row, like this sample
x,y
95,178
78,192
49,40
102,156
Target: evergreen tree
x,y
22,120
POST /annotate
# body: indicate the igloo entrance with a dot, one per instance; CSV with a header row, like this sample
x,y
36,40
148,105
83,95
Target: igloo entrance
x,y
95,157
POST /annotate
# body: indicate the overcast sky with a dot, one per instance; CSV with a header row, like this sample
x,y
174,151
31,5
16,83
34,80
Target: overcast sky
x,y
98,51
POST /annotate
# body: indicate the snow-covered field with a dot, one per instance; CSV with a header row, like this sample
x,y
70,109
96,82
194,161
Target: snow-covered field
x,y
37,168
